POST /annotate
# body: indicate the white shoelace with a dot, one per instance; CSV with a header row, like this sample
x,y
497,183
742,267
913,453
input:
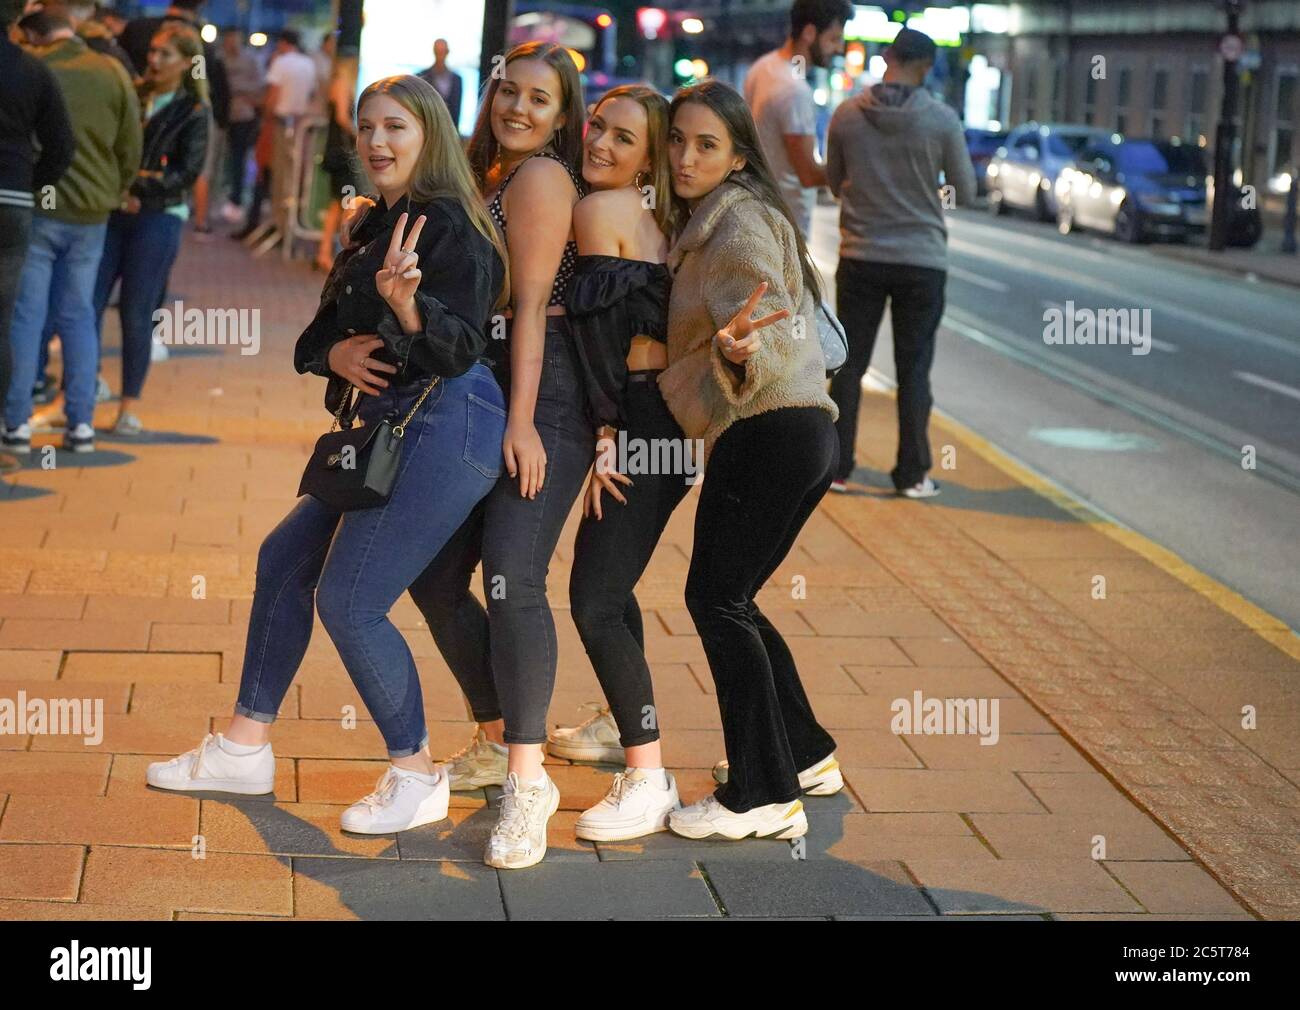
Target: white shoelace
x,y
623,787
197,754
385,789
518,809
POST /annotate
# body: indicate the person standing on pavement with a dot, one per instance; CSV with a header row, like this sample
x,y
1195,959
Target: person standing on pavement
x,y
244,78
36,147
890,149
780,98
743,376
618,307
291,85
525,151
403,319
144,235
445,81
68,232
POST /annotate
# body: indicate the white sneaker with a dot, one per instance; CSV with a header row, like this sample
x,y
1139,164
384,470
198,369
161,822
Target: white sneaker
x,y
710,819
925,489
212,768
634,806
839,487
597,739
102,391
158,352
402,800
519,838
480,763
822,779
18,440
232,213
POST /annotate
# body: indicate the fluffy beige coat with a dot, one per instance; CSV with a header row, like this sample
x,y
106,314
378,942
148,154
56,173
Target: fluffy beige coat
x,y
731,244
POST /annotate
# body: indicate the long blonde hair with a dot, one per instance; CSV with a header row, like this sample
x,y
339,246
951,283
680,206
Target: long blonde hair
x,y
441,170
186,41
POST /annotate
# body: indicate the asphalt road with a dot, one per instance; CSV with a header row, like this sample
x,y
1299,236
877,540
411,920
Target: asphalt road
x,y
1156,440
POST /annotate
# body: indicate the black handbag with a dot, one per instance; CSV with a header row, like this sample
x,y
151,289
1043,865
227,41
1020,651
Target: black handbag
x,y
355,467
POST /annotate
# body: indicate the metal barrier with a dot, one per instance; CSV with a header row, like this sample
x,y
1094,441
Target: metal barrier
x,y
309,195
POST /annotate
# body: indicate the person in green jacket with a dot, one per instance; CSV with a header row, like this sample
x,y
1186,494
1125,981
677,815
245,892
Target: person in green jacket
x,y
68,228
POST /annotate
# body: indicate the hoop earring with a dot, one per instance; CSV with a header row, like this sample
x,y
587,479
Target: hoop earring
x,y
636,181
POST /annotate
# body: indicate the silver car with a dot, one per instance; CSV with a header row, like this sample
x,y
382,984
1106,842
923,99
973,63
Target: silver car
x,y
1022,174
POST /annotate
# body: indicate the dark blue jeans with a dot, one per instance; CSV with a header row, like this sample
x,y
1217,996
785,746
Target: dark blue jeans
x,y
58,288
15,230
140,249
353,566
506,665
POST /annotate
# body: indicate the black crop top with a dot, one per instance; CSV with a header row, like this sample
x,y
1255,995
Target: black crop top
x,y
570,248
611,300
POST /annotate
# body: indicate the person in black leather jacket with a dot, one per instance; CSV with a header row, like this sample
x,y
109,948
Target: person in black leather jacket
x,y
404,320
144,236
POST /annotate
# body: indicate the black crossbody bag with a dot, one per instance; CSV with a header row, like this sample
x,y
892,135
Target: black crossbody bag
x,y
355,467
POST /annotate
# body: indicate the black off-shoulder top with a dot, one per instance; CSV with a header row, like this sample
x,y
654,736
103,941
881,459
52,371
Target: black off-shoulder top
x,y
609,301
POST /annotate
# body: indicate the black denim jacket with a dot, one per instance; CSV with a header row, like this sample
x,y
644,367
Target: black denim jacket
x,y
461,275
175,147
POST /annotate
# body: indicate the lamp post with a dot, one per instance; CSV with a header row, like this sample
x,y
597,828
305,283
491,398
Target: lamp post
x,y
1230,48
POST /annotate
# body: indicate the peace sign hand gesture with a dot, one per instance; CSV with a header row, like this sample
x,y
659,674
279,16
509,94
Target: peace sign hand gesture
x,y
398,278
740,340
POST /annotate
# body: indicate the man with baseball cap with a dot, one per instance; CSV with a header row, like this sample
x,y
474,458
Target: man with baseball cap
x,y
896,157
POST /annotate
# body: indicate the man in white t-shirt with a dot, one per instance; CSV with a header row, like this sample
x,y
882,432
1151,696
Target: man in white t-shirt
x,y
781,99
291,83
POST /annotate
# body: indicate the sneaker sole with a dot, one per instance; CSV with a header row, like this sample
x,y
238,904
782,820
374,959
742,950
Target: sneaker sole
x,y
79,448
794,830
18,450
533,860
596,834
577,752
218,786
416,823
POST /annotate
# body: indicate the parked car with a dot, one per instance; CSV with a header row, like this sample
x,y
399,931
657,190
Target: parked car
x,y
1022,174
982,145
1135,190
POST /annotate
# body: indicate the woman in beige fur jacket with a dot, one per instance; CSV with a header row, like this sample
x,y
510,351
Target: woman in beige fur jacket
x,y
753,388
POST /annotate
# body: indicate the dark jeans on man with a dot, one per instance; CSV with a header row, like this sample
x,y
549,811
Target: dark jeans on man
x,y
15,233
765,476
504,658
611,553
240,138
916,297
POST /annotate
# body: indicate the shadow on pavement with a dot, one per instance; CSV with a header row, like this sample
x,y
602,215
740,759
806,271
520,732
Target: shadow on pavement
x,y
1020,502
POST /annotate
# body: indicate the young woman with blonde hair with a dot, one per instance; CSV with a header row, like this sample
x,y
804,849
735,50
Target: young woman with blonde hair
x,y
403,319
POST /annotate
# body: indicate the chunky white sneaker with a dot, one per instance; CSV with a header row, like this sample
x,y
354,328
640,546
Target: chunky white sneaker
x,y
209,767
634,806
822,779
79,439
18,440
710,819
402,799
480,763
597,739
519,838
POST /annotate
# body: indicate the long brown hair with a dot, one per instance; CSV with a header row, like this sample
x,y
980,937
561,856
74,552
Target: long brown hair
x,y
441,170
661,178
185,40
756,176
566,141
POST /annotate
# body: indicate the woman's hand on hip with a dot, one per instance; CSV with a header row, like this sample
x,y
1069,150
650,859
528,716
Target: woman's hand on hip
x,y
740,340
525,457
350,359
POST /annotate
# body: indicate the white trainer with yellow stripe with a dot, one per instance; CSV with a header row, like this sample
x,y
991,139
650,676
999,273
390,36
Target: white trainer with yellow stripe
x,y
710,819
822,779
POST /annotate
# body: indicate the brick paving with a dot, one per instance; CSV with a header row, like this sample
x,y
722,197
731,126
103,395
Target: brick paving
x,y
1122,784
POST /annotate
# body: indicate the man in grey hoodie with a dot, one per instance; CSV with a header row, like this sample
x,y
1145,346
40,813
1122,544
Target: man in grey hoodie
x,y
885,151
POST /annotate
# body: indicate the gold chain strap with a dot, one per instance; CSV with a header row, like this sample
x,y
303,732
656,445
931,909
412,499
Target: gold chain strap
x,y
400,430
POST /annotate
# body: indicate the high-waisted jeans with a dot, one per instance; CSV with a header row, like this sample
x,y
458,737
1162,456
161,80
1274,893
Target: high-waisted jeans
x,y
504,658
611,553
765,477
354,565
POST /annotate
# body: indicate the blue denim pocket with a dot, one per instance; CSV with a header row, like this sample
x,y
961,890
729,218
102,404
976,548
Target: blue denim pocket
x,y
485,427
